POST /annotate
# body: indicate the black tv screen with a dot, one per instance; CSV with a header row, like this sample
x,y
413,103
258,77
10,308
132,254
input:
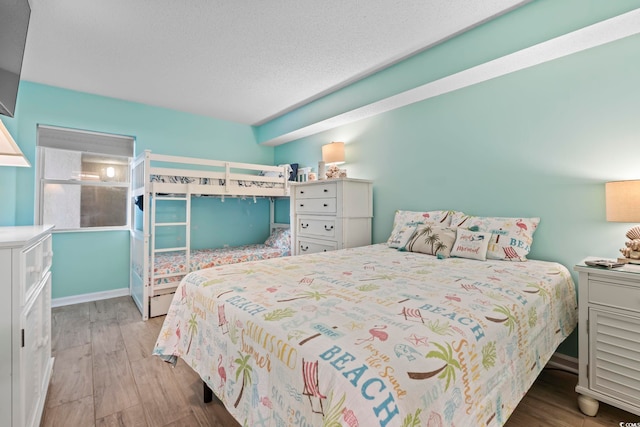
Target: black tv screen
x,y
14,22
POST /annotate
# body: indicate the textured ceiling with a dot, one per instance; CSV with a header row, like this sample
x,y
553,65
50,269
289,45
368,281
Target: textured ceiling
x,y
238,60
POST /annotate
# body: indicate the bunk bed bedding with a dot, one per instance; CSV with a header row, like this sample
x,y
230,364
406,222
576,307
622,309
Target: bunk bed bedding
x,y
370,336
178,179
174,262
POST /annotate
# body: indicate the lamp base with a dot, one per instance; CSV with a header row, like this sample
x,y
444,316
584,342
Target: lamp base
x,y
629,260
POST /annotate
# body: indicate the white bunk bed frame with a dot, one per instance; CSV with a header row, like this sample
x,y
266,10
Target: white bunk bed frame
x,y
153,299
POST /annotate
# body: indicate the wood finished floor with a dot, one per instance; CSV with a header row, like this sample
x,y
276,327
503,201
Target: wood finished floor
x,y
104,375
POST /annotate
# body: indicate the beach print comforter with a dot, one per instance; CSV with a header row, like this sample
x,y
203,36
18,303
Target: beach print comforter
x,y
370,336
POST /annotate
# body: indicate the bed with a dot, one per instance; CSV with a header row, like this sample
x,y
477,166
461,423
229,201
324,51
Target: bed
x,y
371,335
160,180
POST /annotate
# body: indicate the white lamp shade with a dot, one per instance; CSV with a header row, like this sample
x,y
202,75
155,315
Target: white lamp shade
x,y
10,154
623,201
333,153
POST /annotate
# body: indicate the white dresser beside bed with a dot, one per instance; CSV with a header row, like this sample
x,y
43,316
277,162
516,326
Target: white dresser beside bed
x,y
330,214
25,323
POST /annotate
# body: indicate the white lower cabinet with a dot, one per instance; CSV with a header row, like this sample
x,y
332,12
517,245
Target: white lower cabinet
x,y
609,338
25,323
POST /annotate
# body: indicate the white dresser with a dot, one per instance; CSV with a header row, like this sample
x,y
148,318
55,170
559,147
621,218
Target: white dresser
x,y
609,338
330,214
25,323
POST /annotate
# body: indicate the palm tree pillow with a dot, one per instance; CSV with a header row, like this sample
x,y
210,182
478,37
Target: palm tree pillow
x,y
432,240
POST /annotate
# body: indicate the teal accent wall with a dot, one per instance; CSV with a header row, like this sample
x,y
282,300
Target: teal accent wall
x,y
8,180
87,262
538,142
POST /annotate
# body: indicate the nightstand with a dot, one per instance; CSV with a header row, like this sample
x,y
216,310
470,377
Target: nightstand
x,y
609,338
330,214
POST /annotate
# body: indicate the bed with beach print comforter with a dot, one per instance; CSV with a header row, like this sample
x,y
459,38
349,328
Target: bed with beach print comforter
x,y
370,336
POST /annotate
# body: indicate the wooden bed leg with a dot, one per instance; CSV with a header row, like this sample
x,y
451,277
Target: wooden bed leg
x,y
208,393
588,405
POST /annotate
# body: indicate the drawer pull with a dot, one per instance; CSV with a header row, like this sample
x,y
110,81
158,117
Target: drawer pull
x,y
301,205
304,248
325,205
301,192
304,225
325,190
328,228
324,250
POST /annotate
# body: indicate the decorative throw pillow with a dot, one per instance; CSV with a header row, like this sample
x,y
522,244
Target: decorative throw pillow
x,y
281,238
512,237
432,240
411,218
471,244
400,237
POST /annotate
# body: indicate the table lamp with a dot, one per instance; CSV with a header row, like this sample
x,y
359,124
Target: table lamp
x,y
623,205
10,154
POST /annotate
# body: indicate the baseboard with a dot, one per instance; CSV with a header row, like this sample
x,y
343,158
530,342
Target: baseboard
x,y
95,296
564,362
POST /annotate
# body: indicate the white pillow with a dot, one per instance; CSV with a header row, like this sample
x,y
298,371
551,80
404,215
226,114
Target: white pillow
x,y
403,219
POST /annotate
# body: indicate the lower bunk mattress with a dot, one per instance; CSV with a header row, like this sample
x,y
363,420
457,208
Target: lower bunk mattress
x,y
174,262
370,336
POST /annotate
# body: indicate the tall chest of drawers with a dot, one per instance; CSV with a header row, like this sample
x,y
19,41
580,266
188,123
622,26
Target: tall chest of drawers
x,y
25,323
331,214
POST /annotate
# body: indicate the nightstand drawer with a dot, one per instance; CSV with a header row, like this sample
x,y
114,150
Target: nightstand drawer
x,y
307,246
317,227
320,206
614,294
316,191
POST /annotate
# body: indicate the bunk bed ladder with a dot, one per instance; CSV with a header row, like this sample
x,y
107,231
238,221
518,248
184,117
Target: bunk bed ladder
x,y
186,198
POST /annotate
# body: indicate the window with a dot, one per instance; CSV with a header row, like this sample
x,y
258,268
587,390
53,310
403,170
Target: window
x,y
83,179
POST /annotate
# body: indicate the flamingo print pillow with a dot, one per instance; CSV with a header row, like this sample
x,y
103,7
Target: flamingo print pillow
x,y
405,222
511,238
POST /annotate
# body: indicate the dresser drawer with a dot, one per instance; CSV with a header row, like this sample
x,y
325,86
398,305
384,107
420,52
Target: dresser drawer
x,y
619,294
307,246
319,206
316,191
317,227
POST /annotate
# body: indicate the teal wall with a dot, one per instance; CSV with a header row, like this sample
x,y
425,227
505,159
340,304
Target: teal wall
x,y
88,262
8,180
538,142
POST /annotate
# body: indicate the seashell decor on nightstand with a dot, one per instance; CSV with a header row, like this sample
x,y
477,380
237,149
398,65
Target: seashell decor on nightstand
x,y
632,249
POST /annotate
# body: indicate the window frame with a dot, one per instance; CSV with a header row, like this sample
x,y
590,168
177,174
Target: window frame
x,y
41,181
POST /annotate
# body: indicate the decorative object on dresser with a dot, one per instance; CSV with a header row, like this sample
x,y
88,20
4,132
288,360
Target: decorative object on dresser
x,y
333,155
329,215
10,154
25,323
608,337
623,205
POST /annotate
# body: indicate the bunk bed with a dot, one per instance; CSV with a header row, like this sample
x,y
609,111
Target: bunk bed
x,y
157,270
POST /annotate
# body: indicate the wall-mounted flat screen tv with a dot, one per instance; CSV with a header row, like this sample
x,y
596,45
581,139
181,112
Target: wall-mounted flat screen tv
x,y
14,22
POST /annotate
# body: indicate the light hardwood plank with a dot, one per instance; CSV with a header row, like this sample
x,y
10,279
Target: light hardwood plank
x,y
140,337
114,388
72,377
130,417
160,394
69,329
78,413
106,336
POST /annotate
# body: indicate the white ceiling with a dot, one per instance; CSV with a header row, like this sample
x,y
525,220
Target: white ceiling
x,y
239,60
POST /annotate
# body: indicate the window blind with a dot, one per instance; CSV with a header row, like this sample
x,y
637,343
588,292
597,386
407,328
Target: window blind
x,y
85,141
